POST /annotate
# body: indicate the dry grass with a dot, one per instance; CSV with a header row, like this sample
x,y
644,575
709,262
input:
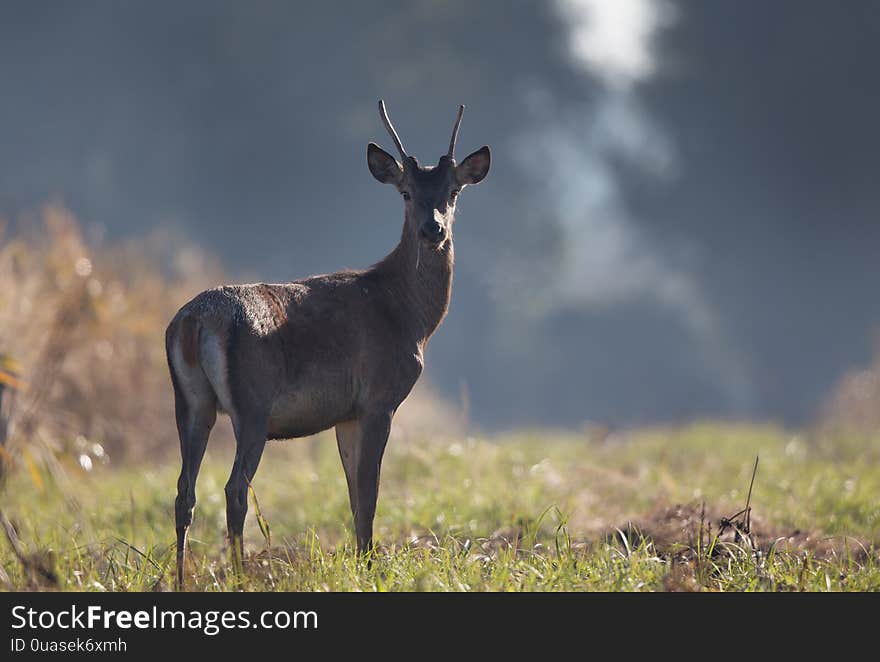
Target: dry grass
x,y
86,324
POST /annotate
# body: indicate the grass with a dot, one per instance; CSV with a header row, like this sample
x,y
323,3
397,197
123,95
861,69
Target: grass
x,y
533,511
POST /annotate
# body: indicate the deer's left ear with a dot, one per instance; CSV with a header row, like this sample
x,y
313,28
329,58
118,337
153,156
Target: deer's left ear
x,y
475,167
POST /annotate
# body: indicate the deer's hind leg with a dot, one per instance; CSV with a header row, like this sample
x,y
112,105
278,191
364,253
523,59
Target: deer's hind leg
x,y
250,440
196,411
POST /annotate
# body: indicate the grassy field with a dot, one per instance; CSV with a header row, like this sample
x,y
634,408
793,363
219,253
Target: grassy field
x,y
534,511
527,511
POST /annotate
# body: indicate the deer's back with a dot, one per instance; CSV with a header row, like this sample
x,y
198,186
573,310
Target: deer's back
x,y
306,354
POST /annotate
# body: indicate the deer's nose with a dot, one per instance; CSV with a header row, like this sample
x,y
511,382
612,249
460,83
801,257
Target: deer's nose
x,y
432,230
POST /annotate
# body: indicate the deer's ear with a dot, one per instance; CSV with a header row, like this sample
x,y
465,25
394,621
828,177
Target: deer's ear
x,y
383,166
475,167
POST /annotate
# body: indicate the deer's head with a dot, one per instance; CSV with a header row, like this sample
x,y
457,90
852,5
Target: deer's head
x,y
429,192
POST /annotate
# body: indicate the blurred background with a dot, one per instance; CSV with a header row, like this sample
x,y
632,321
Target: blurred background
x,y
682,220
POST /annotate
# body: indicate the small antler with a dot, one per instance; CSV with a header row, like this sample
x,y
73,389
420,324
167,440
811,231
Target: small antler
x,y
451,153
384,115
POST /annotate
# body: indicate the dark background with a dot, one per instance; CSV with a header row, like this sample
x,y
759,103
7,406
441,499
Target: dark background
x,y
682,218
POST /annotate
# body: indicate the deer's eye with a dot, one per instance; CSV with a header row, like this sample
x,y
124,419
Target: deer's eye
x,y
406,195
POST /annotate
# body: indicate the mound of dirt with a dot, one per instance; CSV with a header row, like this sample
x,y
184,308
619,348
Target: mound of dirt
x,y
675,531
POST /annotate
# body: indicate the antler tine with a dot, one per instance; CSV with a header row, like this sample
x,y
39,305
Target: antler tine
x,y
384,114
451,153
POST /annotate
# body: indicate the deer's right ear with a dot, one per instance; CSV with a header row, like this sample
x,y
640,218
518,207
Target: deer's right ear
x,y
384,167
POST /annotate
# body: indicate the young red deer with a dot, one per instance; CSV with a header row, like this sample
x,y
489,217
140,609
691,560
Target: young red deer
x,y
343,349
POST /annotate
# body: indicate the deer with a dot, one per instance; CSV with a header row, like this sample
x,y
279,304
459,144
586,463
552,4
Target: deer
x,y
340,350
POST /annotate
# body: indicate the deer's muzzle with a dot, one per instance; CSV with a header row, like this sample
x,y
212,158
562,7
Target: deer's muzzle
x,y
432,231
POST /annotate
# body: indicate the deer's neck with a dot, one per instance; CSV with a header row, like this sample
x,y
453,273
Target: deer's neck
x,y
420,280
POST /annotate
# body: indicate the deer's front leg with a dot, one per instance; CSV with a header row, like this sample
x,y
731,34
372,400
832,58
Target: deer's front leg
x,y
361,446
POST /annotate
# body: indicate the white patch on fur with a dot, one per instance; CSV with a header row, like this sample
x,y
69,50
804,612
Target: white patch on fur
x,y
260,314
213,356
189,383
